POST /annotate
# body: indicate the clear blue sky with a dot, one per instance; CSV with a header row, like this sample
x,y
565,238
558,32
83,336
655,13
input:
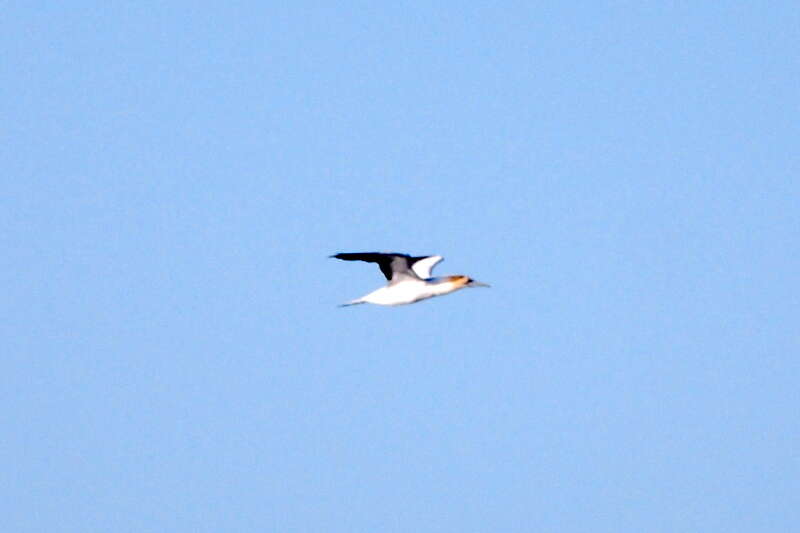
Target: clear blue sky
x,y
175,174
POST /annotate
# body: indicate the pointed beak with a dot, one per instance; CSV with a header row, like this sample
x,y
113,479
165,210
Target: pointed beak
x,y
473,283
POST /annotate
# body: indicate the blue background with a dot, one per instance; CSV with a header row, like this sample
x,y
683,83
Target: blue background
x,y
174,176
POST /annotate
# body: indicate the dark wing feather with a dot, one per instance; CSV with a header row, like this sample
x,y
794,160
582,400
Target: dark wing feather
x,y
388,263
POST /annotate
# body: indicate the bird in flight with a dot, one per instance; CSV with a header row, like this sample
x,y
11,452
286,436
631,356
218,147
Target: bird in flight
x,y
409,278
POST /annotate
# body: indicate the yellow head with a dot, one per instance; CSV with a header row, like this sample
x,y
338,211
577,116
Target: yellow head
x,y
459,281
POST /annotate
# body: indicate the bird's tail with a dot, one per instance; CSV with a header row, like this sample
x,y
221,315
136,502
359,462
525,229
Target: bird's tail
x,y
353,302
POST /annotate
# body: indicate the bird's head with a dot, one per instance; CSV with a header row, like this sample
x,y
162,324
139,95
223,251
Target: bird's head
x,y
465,281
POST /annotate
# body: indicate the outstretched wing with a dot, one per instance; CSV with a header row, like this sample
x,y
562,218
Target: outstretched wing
x,y
393,266
422,266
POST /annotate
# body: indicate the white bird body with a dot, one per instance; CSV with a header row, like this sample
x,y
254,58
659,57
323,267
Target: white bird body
x,y
408,292
409,278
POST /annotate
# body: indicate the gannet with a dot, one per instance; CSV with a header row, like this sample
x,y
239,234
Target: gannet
x,y
409,278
